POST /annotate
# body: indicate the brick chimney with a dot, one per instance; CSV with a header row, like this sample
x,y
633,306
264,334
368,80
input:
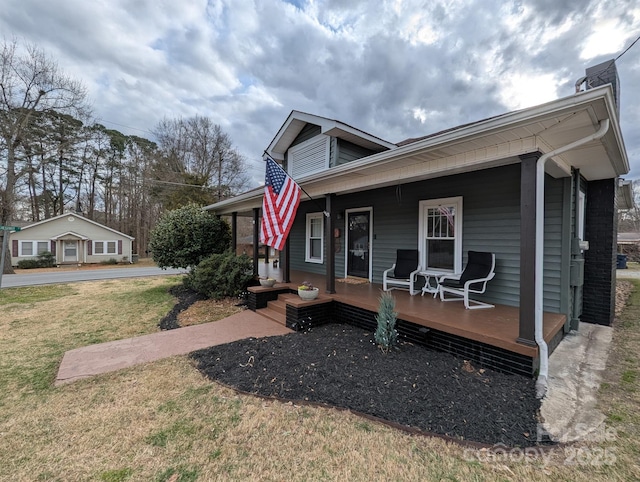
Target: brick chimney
x,y
602,74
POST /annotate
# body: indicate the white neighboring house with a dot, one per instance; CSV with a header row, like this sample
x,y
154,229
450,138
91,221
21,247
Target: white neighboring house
x,y
72,239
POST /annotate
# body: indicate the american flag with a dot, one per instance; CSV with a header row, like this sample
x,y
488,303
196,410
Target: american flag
x,y
279,206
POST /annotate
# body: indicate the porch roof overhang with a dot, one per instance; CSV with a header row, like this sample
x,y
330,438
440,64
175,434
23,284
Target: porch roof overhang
x,y
69,235
489,143
624,195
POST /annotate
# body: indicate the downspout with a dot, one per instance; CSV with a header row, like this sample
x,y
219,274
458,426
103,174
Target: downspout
x,y
541,383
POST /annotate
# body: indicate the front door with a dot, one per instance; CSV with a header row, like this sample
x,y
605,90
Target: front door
x,y
70,251
358,243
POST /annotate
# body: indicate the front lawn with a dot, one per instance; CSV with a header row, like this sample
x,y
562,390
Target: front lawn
x,y
165,421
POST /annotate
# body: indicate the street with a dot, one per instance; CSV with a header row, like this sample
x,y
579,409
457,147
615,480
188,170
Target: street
x,y
30,279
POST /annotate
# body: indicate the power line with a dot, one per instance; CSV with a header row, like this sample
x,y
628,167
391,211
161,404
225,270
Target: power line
x,y
625,50
123,125
610,63
179,184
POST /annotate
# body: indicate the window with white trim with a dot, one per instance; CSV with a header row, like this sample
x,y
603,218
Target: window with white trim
x,y
33,248
440,231
105,247
314,252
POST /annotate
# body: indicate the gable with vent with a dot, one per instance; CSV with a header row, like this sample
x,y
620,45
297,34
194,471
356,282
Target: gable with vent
x,y
309,157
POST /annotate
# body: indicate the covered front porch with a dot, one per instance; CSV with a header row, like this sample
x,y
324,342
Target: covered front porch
x,y
488,337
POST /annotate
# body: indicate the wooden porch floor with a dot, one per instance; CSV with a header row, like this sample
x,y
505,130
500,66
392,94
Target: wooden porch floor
x,y
498,327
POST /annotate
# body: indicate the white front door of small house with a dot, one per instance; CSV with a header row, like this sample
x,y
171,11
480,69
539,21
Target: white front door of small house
x,y
358,242
70,251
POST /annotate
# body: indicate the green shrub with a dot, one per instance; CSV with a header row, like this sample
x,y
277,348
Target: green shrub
x,y
221,275
46,259
386,334
28,263
109,261
184,237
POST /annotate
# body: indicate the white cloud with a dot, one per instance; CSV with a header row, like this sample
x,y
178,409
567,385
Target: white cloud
x,y
395,68
522,90
606,38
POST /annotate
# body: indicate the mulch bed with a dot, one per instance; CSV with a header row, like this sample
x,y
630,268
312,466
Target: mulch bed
x,y
412,386
186,298
341,366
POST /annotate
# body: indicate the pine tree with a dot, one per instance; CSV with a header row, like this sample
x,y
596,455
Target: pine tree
x,y
386,334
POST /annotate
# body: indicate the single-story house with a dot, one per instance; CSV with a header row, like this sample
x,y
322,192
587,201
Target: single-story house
x,y
72,239
537,187
244,245
629,245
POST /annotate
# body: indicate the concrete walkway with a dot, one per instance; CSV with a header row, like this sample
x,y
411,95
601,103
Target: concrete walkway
x,y
107,357
570,409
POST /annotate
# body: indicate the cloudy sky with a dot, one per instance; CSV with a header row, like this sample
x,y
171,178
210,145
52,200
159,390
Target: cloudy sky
x,y
393,68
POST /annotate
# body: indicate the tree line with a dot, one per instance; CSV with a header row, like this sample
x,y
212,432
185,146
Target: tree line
x,y
54,157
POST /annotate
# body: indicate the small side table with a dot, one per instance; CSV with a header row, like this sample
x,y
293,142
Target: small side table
x,y
431,284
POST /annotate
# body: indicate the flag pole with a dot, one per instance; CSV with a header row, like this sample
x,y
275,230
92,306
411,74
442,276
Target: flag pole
x,y
324,211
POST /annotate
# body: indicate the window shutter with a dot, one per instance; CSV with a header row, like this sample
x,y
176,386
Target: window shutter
x,y
89,247
119,246
14,246
53,247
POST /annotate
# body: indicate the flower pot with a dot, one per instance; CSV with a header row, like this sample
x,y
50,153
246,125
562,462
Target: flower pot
x,y
267,282
308,294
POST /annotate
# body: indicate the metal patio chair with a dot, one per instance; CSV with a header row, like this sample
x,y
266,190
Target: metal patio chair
x,y
479,271
404,272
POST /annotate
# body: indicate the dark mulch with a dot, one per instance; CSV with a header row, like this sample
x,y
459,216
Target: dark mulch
x,y
186,298
340,365
413,386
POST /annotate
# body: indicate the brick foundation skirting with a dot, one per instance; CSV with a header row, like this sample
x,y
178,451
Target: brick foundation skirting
x,y
481,353
300,318
258,298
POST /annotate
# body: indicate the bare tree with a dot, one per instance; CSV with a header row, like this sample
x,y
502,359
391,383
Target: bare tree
x,y
629,220
30,82
199,156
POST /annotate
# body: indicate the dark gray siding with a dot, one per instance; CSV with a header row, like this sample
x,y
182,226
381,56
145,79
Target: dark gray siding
x,y
553,230
491,222
298,234
308,132
347,152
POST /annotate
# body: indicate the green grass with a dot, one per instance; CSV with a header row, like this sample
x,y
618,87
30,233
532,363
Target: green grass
x,y
184,474
57,319
164,421
116,475
35,294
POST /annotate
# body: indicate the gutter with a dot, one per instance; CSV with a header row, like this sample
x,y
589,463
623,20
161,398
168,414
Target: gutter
x,y
541,383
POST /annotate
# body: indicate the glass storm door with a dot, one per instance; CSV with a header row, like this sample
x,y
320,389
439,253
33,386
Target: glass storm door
x,y
70,251
358,243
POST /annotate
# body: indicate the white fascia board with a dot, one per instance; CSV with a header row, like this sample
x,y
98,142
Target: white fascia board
x,y
295,115
70,233
329,127
326,126
625,195
38,223
514,119
77,216
227,206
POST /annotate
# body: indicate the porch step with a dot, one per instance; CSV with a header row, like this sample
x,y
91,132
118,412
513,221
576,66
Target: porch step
x,y
276,310
273,315
278,305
